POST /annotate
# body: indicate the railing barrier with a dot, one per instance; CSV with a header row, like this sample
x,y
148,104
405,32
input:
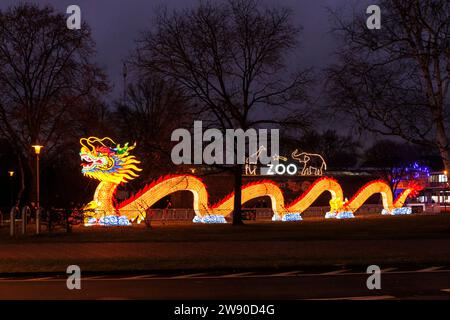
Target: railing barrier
x,y
25,212
12,220
38,220
71,217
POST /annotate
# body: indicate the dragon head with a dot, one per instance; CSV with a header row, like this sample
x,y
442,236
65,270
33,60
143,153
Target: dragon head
x,y
104,160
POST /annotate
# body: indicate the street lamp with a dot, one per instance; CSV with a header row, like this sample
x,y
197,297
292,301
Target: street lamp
x,y
445,179
11,185
37,151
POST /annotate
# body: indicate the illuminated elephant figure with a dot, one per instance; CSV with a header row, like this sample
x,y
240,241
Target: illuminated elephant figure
x,y
313,164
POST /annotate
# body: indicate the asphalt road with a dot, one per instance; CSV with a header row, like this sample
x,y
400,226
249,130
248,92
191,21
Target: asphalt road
x,y
423,283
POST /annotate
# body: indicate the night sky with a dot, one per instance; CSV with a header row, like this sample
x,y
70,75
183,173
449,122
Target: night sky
x,y
116,24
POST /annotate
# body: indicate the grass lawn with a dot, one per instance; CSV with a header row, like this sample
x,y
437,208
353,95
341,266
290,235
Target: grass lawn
x,y
418,239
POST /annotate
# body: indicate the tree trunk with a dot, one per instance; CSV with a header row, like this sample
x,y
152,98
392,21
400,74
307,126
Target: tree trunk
x,y
237,212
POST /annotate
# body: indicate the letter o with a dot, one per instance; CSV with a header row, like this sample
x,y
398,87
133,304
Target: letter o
x,y
293,171
282,167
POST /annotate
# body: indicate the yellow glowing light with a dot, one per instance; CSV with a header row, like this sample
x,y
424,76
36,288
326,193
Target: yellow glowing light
x,y
383,189
11,173
37,148
317,188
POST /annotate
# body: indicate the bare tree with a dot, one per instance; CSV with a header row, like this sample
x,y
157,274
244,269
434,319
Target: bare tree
x,y
395,81
45,79
339,151
231,57
153,108
395,162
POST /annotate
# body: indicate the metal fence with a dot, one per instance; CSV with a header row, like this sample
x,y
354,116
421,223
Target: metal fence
x,y
17,220
251,214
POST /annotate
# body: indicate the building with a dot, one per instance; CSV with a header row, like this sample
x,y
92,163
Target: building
x,y
436,190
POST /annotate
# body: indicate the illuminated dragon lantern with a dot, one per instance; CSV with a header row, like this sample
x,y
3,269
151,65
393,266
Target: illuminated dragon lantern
x,y
112,164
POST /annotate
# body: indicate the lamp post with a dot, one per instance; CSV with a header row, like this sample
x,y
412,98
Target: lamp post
x,y
445,190
37,151
445,179
11,185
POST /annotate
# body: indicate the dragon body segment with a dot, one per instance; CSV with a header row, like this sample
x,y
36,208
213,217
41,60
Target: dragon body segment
x,y
112,164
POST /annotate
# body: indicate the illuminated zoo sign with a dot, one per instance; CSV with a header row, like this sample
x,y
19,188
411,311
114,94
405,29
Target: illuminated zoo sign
x,y
112,164
309,164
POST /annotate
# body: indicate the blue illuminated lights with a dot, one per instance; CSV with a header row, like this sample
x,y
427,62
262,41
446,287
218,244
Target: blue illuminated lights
x,y
330,215
345,215
339,215
411,172
397,211
91,222
292,217
276,217
114,221
210,219
118,221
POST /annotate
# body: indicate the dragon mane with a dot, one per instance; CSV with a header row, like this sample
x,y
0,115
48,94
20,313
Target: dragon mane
x,y
108,162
